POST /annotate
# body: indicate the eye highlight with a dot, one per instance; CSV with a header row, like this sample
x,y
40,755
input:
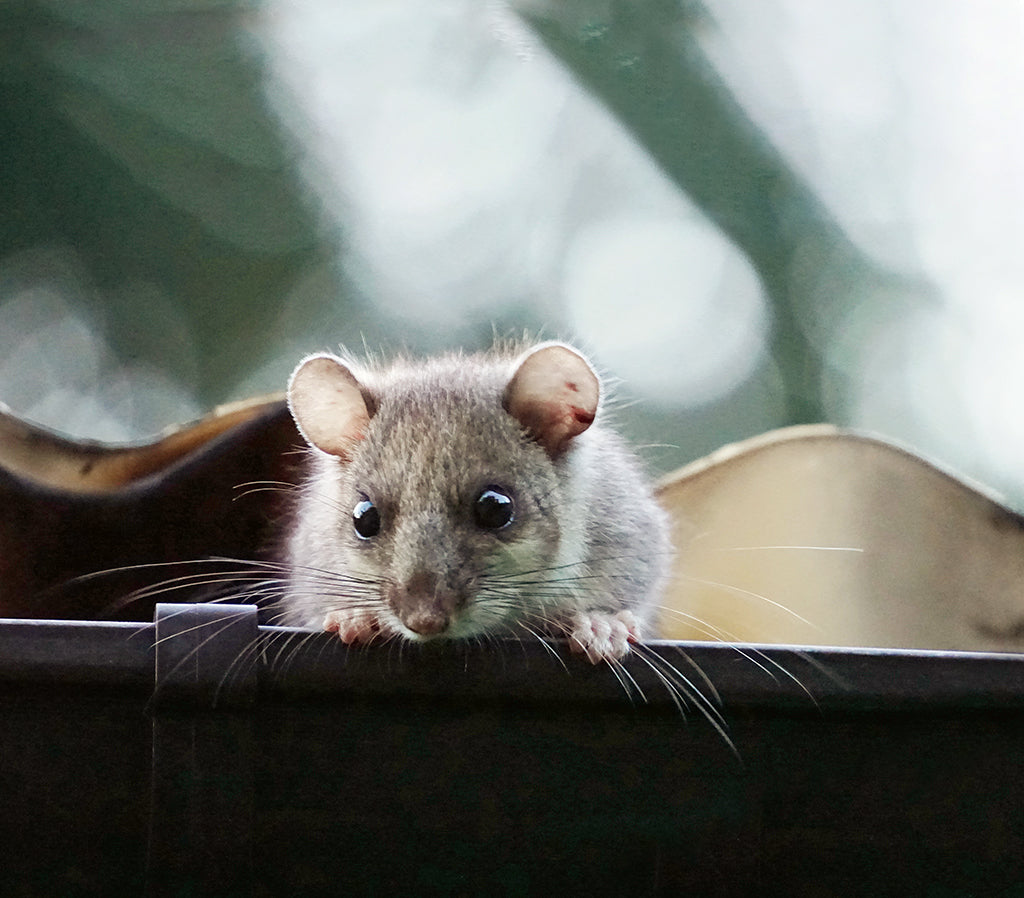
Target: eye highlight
x,y
366,519
493,509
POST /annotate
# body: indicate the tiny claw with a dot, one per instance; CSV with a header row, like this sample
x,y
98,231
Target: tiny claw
x,y
602,636
351,627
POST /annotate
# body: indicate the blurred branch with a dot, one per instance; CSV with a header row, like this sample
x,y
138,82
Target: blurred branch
x,y
643,60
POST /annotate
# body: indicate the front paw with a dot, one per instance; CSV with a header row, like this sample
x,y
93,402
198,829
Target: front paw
x,y
352,627
602,636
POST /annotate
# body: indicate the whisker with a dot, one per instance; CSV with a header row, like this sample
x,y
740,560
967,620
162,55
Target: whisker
x,y
264,486
617,669
682,689
739,590
700,672
617,666
550,650
794,548
216,628
742,648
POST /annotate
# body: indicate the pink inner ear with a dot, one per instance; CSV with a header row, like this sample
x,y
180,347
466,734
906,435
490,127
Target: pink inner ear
x,y
555,423
554,395
328,406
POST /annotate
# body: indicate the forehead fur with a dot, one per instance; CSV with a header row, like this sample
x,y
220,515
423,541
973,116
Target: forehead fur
x,y
440,425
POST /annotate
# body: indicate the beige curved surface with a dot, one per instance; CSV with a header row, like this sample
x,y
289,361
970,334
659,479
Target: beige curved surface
x,y
43,457
810,535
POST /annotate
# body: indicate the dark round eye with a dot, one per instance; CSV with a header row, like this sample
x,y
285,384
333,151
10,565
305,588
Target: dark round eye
x,y
493,509
366,519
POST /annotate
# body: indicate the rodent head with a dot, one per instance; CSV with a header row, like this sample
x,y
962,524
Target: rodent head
x,y
443,479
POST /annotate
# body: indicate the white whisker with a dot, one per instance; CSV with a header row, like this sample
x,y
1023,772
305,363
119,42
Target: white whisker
x,y
794,548
739,590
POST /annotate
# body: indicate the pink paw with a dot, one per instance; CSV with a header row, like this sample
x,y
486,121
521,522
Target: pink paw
x,y
352,626
602,636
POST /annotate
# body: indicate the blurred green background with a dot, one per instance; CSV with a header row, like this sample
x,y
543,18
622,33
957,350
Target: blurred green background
x,y
750,214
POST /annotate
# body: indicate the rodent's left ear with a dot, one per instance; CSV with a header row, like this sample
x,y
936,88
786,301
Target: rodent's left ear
x,y
328,404
554,394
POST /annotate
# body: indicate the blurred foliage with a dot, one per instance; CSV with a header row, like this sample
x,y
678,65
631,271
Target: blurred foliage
x,y
643,59
137,134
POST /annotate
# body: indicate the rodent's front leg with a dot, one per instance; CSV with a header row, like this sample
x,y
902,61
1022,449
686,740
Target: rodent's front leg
x,y
603,636
353,625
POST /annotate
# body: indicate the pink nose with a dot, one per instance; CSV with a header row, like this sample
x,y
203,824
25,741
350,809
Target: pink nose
x,y
423,604
426,621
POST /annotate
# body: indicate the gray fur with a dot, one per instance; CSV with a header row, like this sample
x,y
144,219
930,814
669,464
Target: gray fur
x,y
587,536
